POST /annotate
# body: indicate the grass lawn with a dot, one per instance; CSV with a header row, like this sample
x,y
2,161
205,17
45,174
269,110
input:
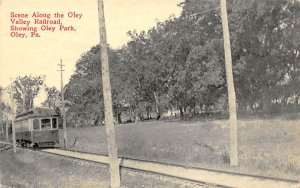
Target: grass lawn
x,y
28,169
266,147
32,169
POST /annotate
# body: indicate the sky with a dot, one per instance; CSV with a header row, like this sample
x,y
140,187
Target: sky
x,y
40,55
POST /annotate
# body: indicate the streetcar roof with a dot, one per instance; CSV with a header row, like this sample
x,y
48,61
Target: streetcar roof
x,y
37,112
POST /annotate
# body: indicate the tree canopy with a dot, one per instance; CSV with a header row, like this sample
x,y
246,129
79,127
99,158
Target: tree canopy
x,y
4,108
178,65
25,89
53,97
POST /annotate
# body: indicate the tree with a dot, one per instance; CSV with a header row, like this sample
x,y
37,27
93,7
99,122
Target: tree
x,y
150,74
2,105
5,109
25,89
83,93
264,54
52,98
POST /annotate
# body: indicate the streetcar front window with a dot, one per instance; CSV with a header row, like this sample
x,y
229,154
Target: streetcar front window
x,y
36,124
54,123
45,124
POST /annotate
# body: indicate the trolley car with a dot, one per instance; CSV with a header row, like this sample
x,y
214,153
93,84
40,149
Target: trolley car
x,y
37,128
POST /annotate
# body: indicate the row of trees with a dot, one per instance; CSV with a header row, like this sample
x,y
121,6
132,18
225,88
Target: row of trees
x,y
179,63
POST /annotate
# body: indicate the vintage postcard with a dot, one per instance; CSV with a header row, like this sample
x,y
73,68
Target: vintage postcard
x,y
160,93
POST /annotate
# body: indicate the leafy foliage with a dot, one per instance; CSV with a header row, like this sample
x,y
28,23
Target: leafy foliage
x,y
179,63
4,108
53,97
25,89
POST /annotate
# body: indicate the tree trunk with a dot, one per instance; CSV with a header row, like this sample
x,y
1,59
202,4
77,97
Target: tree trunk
x,y
266,101
24,102
119,117
158,115
2,126
130,114
181,111
148,114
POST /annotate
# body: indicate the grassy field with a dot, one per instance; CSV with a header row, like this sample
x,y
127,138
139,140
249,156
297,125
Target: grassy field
x,y
266,147
27,169
30,169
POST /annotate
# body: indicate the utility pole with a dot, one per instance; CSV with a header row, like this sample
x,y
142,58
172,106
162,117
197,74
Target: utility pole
x,y
230,86
109,123
63,104
13,121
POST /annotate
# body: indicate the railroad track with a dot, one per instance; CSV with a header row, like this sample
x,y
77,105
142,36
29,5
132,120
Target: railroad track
x,y
200,176
213,178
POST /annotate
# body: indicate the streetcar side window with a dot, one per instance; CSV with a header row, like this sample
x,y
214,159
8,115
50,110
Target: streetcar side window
x,y
36,124
46,124
54,123
24,125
